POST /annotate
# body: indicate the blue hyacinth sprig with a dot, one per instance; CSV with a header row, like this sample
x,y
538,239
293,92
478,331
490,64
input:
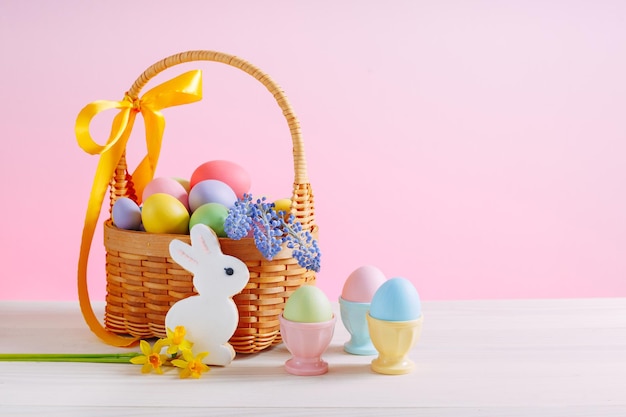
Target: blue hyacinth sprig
x,y
270,231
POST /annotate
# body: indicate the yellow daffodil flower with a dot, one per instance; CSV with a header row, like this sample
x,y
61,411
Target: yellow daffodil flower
x,y
152,359
176,340
190,366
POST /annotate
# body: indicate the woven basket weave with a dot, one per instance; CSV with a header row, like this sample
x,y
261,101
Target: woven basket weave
x,y
143,281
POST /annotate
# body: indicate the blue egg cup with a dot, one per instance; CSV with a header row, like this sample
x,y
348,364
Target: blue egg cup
x,y
354,318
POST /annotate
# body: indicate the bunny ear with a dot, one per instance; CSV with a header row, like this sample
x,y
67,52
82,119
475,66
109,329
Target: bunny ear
x,y
184,255
205,239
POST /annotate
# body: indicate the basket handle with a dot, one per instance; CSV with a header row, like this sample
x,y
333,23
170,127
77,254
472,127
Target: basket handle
x,y
121,183
299,159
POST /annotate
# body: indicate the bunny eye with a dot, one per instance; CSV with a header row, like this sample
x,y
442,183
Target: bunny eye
x,y
229,271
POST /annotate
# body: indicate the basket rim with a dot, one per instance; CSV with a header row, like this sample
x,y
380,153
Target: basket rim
x,y
156,244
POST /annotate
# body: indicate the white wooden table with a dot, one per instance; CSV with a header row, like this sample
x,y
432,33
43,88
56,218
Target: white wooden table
x,y
475,358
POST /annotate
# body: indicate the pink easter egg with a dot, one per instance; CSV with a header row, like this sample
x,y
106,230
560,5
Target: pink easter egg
x,y
362,284
228,172
169,186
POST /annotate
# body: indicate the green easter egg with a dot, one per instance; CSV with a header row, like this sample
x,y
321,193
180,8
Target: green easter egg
x,y
308,304
212,215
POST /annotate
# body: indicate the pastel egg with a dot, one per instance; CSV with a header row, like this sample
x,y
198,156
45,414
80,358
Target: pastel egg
x,y
362,283
126,214
184,182
211,214
396,300
228,172
283,204
169,186
308,304
164,213
211,191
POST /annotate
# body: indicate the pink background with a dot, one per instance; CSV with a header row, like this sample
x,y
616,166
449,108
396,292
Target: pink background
x,y
474,147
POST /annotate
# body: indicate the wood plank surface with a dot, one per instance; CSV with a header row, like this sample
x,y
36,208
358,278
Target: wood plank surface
x,y
562,357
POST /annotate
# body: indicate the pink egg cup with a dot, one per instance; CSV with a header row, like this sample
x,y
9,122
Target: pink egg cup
x,y
306,342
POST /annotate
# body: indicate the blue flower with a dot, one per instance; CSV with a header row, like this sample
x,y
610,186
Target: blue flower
x,y
305,249
271,231
239,221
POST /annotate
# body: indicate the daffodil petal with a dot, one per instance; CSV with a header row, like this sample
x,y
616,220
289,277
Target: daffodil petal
x,y
179,363
138,360
188,355
159,344
145,348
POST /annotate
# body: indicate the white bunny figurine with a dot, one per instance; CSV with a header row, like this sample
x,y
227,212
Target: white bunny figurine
x,y
211,317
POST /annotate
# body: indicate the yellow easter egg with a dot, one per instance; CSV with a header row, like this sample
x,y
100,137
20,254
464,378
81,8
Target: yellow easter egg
x,y
284,204
163,213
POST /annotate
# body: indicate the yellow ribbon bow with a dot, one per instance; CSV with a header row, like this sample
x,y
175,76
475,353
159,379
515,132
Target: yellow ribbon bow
x,y
184,89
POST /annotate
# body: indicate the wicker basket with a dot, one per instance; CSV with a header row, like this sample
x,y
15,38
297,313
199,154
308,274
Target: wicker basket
x,y
143,281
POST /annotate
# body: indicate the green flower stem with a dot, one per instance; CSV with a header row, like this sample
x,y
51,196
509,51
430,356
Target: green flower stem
x,y
69,357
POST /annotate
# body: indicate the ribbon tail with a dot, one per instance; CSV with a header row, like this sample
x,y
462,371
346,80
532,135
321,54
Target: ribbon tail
x,y
144,173
104,172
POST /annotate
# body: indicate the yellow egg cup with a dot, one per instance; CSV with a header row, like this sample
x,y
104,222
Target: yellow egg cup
x,y
393,340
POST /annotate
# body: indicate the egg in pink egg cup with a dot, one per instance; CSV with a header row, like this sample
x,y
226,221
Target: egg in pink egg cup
x,y
307,326
306,342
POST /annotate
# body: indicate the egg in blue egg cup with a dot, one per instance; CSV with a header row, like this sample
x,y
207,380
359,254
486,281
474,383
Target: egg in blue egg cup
x,y
354,303
395,325
307,326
